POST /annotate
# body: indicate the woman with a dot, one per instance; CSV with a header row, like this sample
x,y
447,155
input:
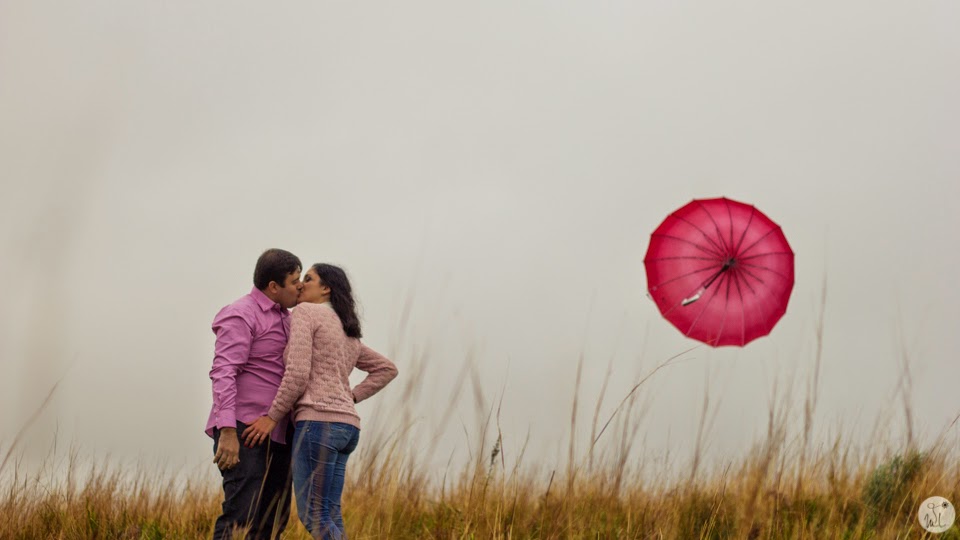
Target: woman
x,y
323,348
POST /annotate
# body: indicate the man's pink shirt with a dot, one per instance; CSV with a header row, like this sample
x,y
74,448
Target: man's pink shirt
x,y
248,362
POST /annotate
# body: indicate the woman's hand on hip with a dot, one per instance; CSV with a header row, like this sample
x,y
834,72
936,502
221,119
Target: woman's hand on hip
x,y
258,432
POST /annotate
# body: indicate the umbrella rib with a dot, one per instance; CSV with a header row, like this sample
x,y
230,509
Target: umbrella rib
x,y
685,241
726,306
675,278
761,239
703,232
770,308
715,226
756,293
764,307
765,300
747,283
743,317
680,258
753,212
726,202
771,270
758,255
758,312
751,274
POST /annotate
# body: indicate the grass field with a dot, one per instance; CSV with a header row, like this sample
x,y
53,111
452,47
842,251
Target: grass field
x,y
786,486
766,495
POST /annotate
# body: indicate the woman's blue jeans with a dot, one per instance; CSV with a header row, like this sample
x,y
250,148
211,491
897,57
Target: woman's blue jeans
x,y
320,452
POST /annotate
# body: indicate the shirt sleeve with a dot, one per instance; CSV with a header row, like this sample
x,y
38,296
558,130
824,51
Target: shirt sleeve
x,y
234,336
380,371
296,357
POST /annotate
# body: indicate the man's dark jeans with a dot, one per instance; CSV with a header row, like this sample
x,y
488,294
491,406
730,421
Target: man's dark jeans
x,y
256,491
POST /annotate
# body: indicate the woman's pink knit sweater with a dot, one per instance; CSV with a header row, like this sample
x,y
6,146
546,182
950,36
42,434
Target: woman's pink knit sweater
x,y
319,358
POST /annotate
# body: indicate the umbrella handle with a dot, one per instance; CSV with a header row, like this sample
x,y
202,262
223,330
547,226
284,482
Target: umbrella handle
x,y
694,298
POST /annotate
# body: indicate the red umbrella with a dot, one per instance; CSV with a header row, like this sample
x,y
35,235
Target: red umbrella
x,y
720,271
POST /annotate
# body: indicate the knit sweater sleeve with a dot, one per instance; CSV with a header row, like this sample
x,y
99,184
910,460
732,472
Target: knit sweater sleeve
x,y
380,371
297,357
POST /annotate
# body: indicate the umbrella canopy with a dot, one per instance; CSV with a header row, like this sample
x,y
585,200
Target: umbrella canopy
x,y
720,271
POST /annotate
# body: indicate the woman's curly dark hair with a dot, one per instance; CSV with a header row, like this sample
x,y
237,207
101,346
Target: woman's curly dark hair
x,y
341,297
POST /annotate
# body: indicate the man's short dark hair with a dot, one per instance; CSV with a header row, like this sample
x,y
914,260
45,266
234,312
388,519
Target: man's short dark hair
x,y
275,265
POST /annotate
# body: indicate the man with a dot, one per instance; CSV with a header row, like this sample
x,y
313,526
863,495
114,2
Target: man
x,y
247,369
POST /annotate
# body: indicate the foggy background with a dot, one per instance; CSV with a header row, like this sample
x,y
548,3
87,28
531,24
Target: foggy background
x,y
498,168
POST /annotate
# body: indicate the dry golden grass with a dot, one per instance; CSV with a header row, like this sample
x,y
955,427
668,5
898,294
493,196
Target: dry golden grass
x,y
838,495
781,489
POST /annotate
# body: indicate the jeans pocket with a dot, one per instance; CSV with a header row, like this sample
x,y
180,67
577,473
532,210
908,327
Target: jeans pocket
x,y
343,435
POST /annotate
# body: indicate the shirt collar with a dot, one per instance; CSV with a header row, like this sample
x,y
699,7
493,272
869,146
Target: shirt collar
x,y
265,303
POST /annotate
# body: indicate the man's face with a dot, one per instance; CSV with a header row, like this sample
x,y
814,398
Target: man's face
x,y
286,295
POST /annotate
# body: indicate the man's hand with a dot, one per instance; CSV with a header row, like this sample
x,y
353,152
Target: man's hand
x,y
228,449
258,431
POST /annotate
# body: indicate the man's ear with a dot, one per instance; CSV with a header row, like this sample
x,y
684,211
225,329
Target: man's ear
x,y
273,287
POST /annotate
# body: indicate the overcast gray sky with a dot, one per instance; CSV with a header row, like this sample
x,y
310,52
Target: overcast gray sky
x,y
502,164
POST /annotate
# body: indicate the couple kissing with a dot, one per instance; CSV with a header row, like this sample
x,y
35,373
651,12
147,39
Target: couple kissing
x,y
283,409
